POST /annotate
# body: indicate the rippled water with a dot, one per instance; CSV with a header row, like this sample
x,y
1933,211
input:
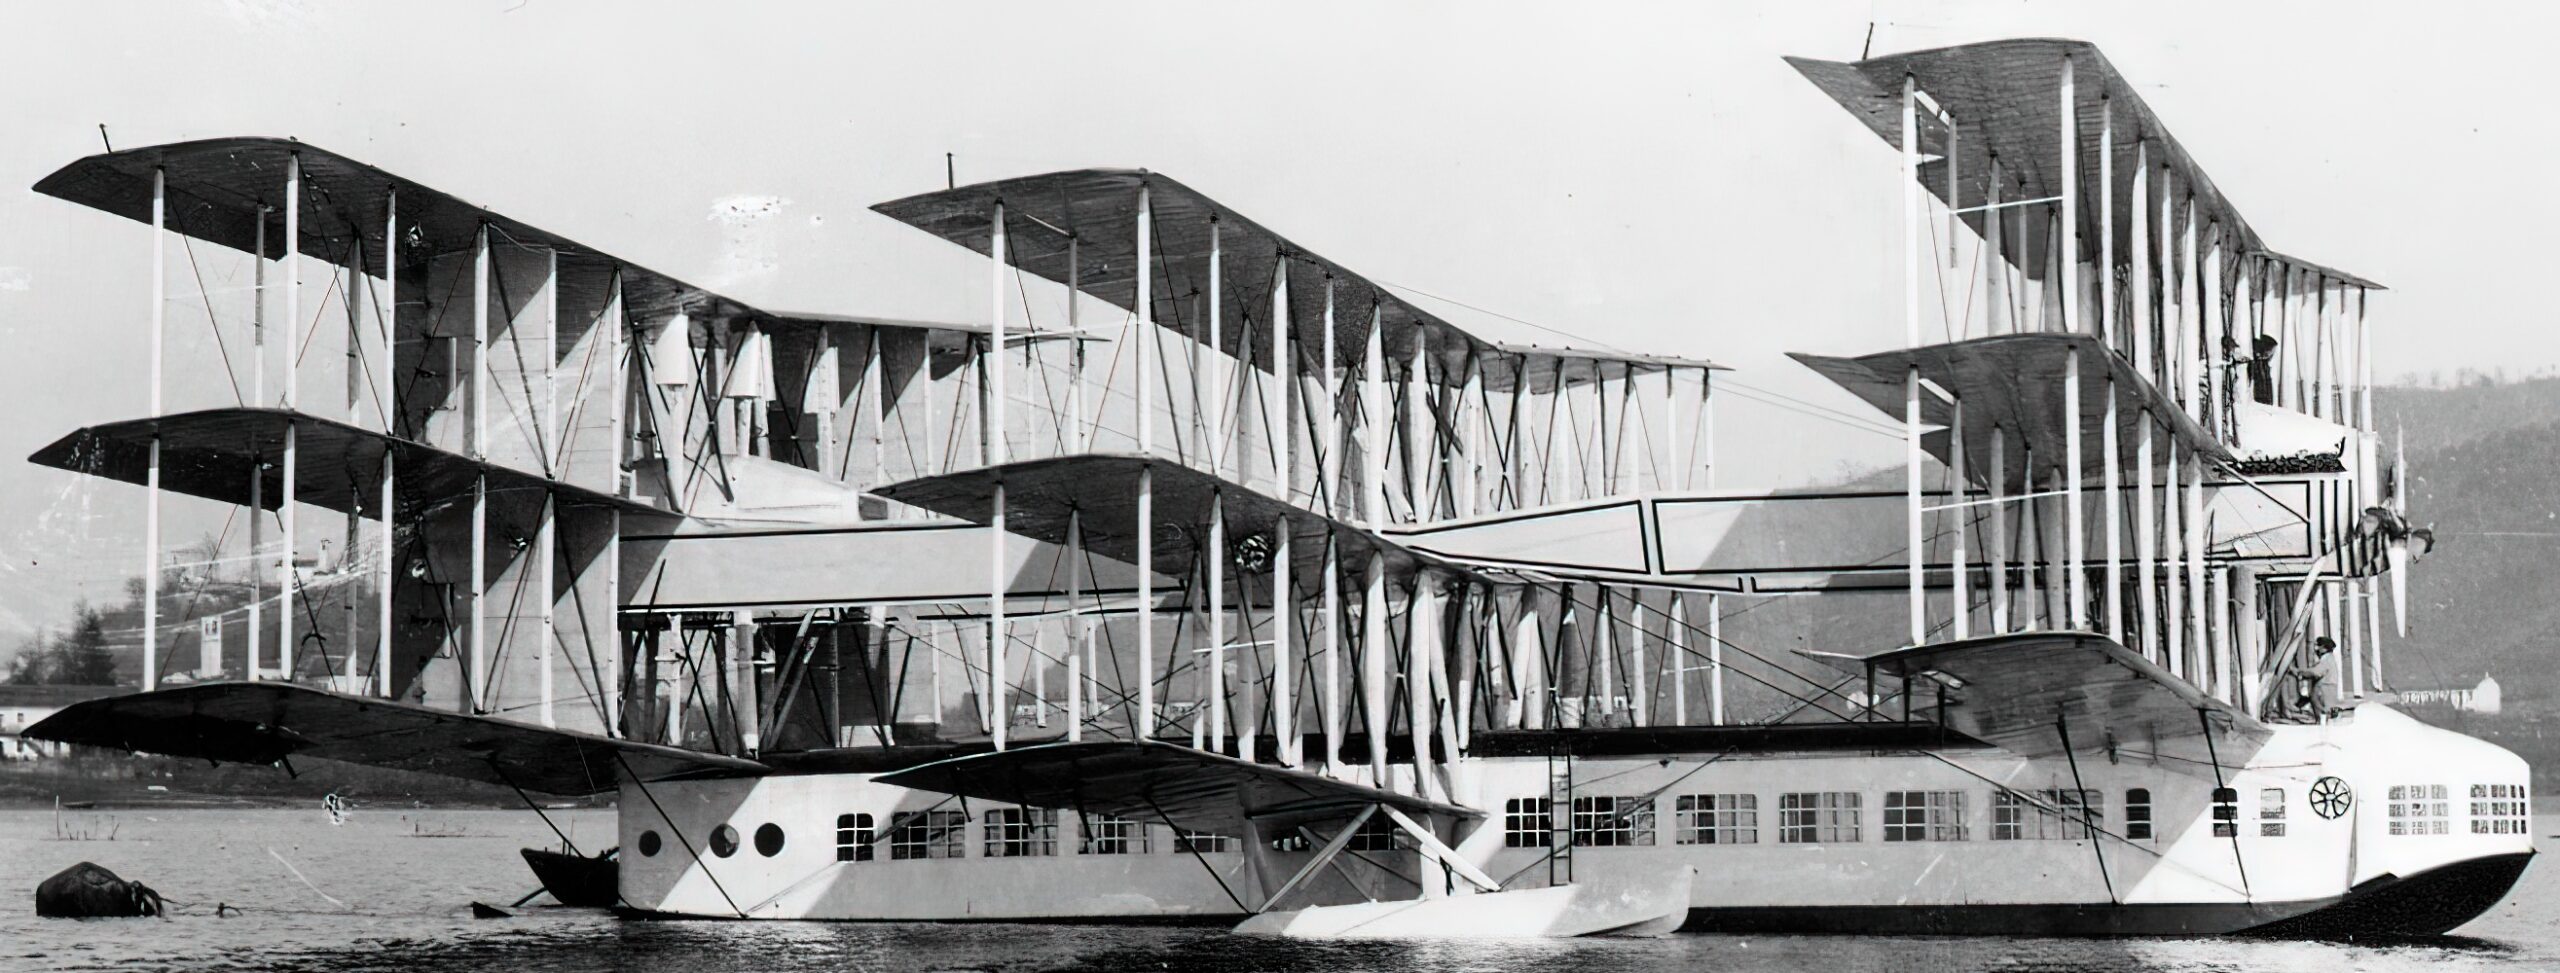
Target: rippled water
x,y
389,891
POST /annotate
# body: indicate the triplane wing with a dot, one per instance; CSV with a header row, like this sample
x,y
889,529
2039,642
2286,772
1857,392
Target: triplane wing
x,y
2041,694
1191,789
262,723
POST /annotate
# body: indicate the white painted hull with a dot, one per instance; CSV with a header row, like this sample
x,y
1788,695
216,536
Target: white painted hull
x,y
2183,879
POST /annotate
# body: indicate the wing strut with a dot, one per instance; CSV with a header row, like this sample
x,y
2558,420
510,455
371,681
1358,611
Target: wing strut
x,y
2063,727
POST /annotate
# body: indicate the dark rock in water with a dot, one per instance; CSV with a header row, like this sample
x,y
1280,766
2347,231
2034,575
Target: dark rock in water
x,y
483,910
89,891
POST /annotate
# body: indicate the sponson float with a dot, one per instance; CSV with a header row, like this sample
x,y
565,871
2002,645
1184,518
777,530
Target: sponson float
x,y
1210,580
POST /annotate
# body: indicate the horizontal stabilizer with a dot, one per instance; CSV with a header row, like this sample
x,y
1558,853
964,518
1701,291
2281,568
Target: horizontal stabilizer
x,y
1192,789
2030,692
261,723
210,454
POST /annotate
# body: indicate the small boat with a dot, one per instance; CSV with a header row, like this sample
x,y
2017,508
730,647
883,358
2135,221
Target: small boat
x,y
576,879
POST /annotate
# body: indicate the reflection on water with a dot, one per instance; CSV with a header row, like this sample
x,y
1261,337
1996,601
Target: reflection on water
x,y
405,878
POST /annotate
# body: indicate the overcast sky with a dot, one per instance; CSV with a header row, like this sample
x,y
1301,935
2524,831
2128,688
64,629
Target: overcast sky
x,y
1641,176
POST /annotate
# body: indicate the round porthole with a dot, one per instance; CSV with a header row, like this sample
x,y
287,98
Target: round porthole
x,y
769,840
724,841
649,842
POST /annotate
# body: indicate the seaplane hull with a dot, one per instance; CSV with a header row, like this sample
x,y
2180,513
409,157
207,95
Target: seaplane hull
x,y
1866,837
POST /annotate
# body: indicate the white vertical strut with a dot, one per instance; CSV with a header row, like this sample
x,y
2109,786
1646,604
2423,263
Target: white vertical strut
x,y
1715,659
1914,528
1999,580
151,510
1960,562
999,713
547,541
1373,665
1144,331
478,680
387,316
1284,610
2146,541
292,579
1676,627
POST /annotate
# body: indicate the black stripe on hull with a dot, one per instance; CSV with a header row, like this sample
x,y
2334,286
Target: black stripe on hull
x,y
2430,903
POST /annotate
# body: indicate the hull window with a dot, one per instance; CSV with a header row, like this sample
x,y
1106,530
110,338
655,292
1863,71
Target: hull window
x,y
724,841
1818,818
1526,822
1021,832
2498,809
2420,809
1924,816
853,837
2271,812
1717,819
2137,814
1107,834
2226,812
2045,815
931,834
1604,822
1186,842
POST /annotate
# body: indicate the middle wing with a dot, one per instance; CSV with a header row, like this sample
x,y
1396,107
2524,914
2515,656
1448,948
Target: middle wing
x,y
1192,789
2038,694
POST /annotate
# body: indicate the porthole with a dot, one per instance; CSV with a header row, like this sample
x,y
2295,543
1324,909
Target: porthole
x,y
769,840
649,844
724,841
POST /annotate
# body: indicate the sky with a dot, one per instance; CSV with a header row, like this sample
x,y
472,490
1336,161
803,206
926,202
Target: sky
x,y
1637,176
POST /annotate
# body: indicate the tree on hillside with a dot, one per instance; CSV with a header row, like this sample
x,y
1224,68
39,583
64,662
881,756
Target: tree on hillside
x,y
80,658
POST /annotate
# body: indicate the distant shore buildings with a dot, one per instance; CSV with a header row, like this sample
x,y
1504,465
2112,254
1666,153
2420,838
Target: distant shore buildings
x,y
2482,698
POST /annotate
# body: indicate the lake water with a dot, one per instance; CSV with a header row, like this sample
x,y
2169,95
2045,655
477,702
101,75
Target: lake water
x,y
389,891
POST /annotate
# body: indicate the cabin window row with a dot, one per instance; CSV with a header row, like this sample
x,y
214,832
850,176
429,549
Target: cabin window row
x,y
1007,832
1818,817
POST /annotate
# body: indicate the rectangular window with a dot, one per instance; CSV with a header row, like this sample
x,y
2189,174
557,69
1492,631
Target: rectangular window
x,y
2226,812
1811,818
1186,841
1021,832
853,837
928,834
1717,819
2137,814
2064,814
1106,834
2420,809
2498,809
1924,816
1528,822
1379,833
2271,812
1604,822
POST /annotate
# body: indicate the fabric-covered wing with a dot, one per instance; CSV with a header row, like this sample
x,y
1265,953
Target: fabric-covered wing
x,y
210,453
2005,98
263,722
1192,789
1039,494
2023,692
1100,206
2014,382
